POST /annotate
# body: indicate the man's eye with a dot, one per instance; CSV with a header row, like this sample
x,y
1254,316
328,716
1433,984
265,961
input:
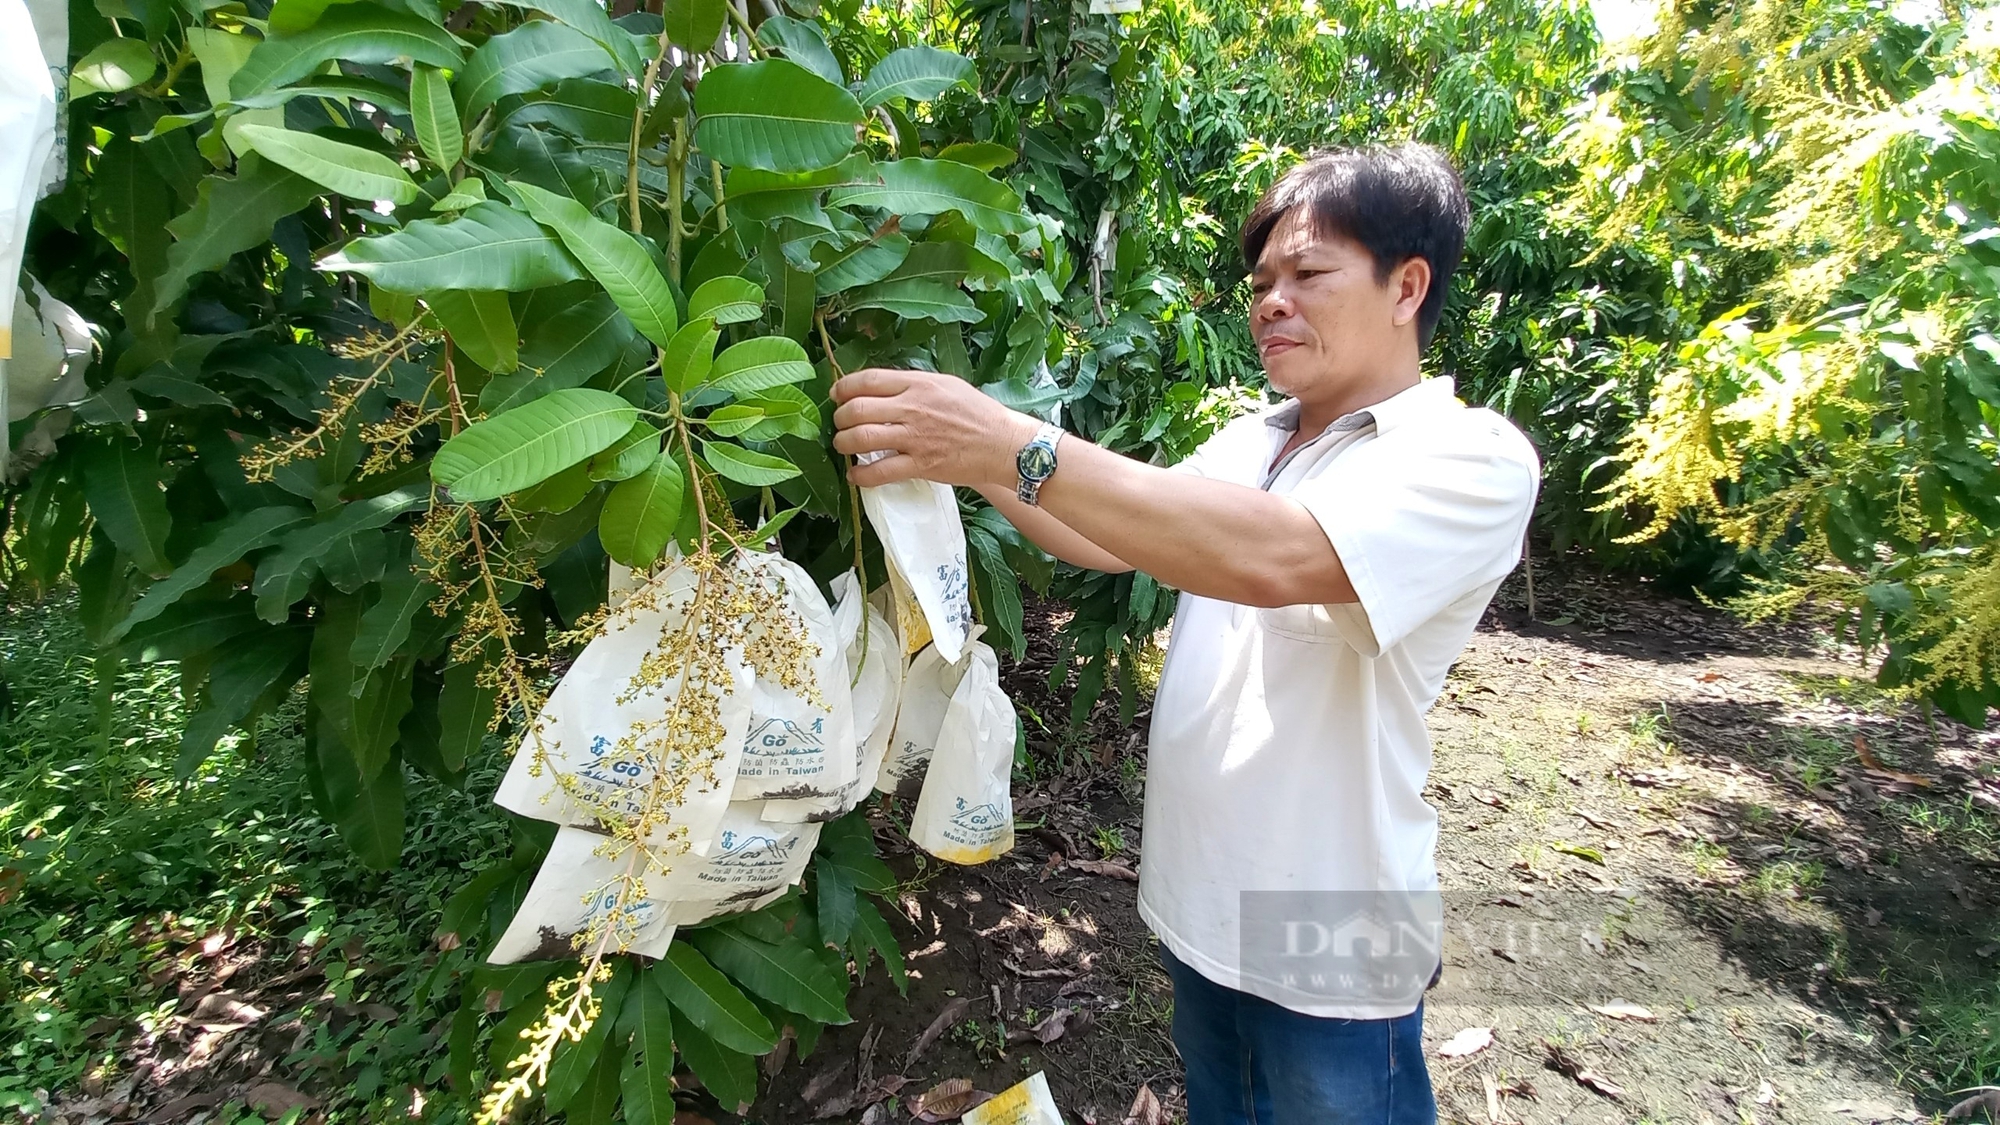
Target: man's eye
x,y
1309,273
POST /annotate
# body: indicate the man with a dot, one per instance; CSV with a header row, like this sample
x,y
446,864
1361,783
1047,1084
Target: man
x,y
1334,554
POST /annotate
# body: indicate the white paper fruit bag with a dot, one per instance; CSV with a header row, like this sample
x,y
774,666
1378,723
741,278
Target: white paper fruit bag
x,y
875,671
800,742
576,887
965,813
924,543
927,687
601,735
750,862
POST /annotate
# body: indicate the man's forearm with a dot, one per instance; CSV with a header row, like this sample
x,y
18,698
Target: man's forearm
x,y
1210,538
1051,534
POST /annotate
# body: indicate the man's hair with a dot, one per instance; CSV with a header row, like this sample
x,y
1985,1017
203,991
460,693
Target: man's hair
x,y
1398,201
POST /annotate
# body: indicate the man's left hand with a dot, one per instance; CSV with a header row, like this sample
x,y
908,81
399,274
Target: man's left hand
x,y
935,427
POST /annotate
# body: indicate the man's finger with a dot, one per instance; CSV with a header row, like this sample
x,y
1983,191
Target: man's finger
x,y
871,408
870,381
869,438
888,470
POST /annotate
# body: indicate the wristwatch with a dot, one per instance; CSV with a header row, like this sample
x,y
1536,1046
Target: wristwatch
x,y
1036,462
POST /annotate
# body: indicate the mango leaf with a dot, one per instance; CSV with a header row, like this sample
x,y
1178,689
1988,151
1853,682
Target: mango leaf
x,y
747,466
122,484
353,172
589,17
648,1020
983,155
527,58
231,214
574,1060
710,1002
785,973
363,33
759,364
728,1074
578,342
916,73
322,86
692,25
866,260
919,299
775,115
872,933
435,118
366,811
112,67
242,674
732,420
639,517
465,708
466,193
482,323
229,542
595,1101
386,624
530,443
583,109
490,246
690,355
628,456
804,44
284,576
932,187
727,300
613,257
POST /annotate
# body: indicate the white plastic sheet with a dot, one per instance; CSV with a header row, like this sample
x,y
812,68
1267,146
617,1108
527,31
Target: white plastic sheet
x,y
924,544
965,813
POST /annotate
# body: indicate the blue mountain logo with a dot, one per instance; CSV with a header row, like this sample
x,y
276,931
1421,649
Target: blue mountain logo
x,y
783,736
978,818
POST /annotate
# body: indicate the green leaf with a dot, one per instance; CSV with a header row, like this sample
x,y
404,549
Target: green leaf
x,y
386,624
612,256
362,33
710,1002
530,443
242,674
589,17
232,214
366,811
490,246
112,67
577,342
728,1074
628,456
465,193
324,86
833,902
482,323
804,44
916,73
574,1061
747,466
123,487
639,517
787,974
435,117
866,260
932,187
774,115
648,1020
872,933
597,1098
947,262
353,172
692,25
759,364
689,356
732,420
529,57
284,576
230,541
919,299
465,708
727,300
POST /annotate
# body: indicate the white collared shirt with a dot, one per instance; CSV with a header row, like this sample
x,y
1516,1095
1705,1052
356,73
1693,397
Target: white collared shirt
x,y
1288,748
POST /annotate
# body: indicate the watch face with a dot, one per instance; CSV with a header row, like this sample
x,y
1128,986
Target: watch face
x,y
1036,462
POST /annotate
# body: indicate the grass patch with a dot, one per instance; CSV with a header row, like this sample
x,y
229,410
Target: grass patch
x,y
125,882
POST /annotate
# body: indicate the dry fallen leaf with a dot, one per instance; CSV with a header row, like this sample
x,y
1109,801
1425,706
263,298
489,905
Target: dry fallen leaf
x,y
1562,1062
1470,1041
1146,1108
1106,868
1623,1010
275,1099
946,1101
950,1014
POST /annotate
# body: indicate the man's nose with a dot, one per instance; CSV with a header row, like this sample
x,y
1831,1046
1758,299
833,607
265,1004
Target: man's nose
x,y
1276,304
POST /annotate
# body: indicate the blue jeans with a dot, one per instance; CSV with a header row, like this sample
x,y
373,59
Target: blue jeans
x,y
1252,1062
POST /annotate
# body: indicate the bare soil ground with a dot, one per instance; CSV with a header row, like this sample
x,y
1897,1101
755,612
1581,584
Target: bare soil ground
x,y
1694,872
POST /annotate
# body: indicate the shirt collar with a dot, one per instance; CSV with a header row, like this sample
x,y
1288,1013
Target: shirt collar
x,y
1428,396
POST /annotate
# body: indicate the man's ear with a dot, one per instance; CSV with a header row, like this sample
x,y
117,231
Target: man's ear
x,y
1411,283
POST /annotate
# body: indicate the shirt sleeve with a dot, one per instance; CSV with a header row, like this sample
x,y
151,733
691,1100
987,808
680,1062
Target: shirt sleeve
x,y
1419,525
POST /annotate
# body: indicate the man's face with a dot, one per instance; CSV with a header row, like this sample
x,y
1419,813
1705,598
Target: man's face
x,y
1319,316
